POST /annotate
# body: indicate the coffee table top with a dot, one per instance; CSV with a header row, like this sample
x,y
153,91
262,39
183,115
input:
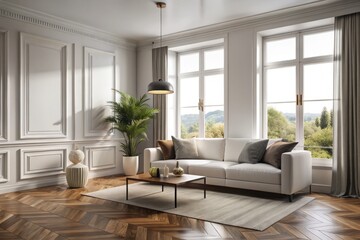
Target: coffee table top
x,y
171,180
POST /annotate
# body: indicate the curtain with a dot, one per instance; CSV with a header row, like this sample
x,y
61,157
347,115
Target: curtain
x,y
159,66
346,164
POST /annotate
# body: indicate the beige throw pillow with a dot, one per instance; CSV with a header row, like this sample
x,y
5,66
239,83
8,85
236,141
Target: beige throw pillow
x,y
185,148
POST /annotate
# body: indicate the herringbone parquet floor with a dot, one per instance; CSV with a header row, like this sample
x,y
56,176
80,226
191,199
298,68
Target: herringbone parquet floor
x,y
60,213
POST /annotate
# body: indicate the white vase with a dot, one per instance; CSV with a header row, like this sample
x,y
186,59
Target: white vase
x,y
130,165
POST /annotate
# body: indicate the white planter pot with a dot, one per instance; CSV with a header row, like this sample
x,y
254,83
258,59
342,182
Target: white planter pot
x,y
130,165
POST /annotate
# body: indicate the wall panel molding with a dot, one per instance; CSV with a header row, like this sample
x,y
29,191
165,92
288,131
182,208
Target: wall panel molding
x,y
4,166
3,85
22,14
42,162
44,75
100,157
99,80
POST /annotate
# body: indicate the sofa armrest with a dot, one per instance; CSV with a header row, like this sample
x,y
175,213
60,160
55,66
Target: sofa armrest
x,y
150,155
296,171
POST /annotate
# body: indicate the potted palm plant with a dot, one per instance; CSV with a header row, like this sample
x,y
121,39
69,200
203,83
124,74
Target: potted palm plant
x,y
130,117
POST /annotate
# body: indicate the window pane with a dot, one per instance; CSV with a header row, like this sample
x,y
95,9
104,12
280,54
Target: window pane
x,y
281,84
189,122
214,90
214,122
280,50
281,121
189,92
318,128
316,77
318,44
189,63
214,59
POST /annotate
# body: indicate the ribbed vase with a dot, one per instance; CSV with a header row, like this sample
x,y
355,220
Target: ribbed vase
x,y
77,175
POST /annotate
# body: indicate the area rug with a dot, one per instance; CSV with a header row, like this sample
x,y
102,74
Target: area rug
x,y
224,208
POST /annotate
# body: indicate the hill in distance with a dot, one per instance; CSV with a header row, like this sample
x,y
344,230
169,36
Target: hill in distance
x,y
190,119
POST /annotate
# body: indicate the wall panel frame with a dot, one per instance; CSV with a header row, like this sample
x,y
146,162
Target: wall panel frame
x,y
3,85
100,157
99,80
44,67
42,162
4,166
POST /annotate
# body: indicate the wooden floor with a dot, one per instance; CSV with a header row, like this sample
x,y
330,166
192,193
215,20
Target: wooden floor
x,y
60,213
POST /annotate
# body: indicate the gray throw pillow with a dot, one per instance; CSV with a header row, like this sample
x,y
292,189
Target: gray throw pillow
x,y
185,148
253,152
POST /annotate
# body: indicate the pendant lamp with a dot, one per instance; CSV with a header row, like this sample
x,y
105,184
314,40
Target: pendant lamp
x,y
161,86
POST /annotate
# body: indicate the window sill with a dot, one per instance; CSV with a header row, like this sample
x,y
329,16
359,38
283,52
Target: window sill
x,y
322,163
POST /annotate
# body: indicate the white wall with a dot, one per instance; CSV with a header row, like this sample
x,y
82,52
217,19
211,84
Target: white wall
x,y
56,78
241,44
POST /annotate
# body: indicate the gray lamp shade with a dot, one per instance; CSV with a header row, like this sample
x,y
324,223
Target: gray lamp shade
x,y
160,87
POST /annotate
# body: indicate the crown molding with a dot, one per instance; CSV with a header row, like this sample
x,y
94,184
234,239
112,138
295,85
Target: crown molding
x,y
18,13
307,12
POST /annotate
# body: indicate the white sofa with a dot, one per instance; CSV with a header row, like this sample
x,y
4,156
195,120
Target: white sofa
x,y
218,161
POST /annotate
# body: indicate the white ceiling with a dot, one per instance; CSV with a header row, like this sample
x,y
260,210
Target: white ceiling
x,y
140,19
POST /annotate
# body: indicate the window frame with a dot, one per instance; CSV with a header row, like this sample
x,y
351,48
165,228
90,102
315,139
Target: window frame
x,y
201,74
299,62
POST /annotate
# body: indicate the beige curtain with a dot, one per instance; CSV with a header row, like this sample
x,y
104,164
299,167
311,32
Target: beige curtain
x,y
160,66
346,164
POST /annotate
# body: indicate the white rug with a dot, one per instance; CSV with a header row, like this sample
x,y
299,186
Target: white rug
x,y
224,208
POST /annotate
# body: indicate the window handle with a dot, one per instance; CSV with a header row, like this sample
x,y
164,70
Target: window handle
x,y
301,100
201,105
297,99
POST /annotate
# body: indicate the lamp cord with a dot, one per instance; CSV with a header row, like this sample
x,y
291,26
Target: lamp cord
x,y
161,60
160,27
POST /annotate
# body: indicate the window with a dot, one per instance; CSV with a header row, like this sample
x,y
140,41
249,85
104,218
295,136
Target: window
x,y
298,89
200,90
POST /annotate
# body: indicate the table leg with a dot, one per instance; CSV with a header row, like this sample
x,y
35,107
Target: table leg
x,y
162,188
204,187
127,189
175,196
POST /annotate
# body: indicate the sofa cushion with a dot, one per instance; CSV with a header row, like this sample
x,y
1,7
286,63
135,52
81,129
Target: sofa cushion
x,y
167,148
273,140
185,148
260,172
214,169
211,148
185,163
273,154
233,148
253,152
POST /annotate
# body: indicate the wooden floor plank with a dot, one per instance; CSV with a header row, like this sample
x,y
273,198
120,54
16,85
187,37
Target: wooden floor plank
x,y
57,212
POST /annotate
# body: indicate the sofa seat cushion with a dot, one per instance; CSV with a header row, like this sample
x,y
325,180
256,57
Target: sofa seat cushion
x,y
259,172
213,169
184,163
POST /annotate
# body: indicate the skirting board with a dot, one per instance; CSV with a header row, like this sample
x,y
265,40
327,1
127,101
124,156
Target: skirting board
x,y
320,188
46,182
31,185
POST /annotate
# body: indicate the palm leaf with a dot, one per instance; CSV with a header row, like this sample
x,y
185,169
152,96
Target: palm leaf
x,y
130,117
